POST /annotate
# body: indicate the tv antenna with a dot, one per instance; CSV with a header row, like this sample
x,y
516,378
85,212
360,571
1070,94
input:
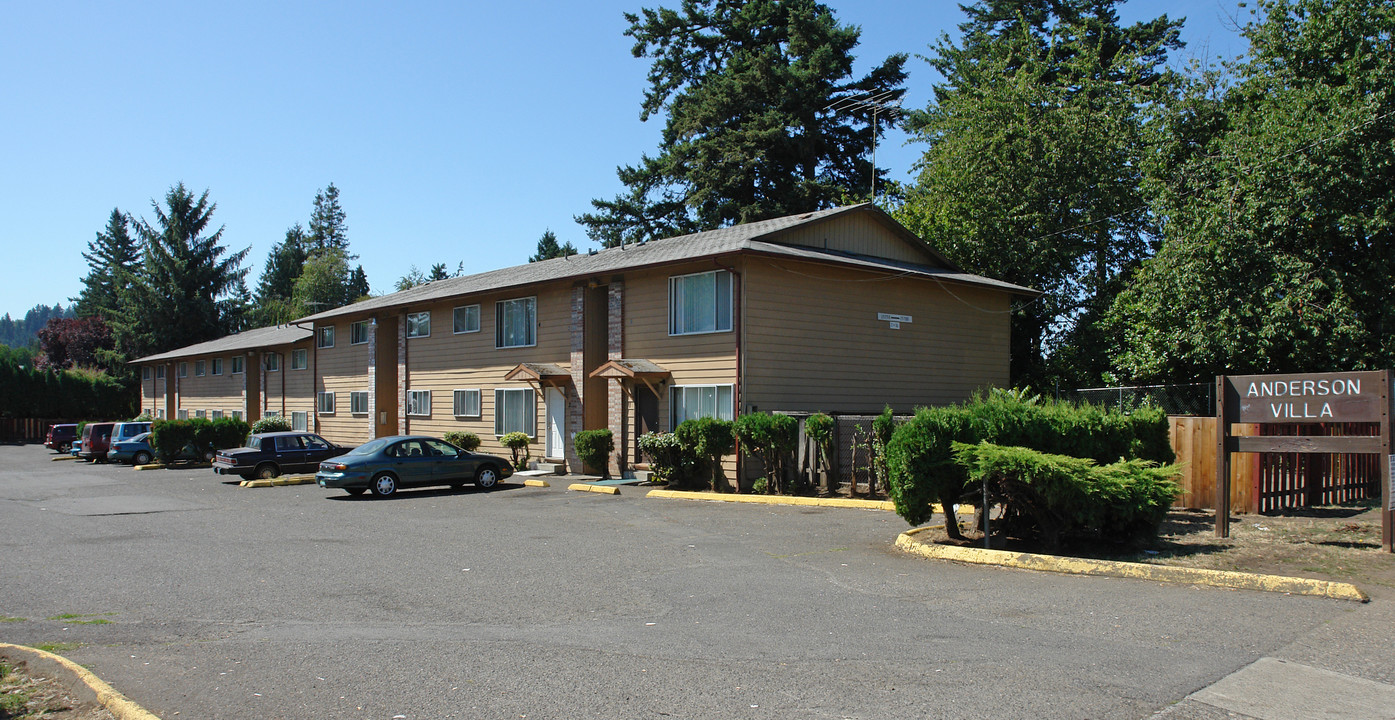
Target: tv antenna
x,y
886,101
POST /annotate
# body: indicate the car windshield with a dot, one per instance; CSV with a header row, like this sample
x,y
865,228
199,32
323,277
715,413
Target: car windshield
x,y
368,448
141,437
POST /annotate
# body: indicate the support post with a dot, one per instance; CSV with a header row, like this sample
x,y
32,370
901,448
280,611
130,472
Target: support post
x,y
1387,493
1222,462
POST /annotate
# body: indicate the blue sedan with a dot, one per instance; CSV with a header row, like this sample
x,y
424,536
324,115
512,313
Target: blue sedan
x,y
386,464
137,451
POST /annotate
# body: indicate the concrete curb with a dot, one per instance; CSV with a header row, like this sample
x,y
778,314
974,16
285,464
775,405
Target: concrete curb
x,y
279,481
151,466
85,684
776,500
907,542
588,487
536,483
62,457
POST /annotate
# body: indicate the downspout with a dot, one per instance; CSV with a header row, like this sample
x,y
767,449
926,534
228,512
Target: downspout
x,y
738,310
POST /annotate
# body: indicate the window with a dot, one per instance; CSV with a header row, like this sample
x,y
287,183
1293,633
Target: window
x,y
145,373
324,337
217,366
466,319
273,362
216,414
418,402
237,365
200,414
467,403
300,359
289,442
271,413
689,402
183,369
515,322
358,402
699,303
198,368
183,415
160,372
513,411
237,414
419,324
162,413
325,404
358,332
298,421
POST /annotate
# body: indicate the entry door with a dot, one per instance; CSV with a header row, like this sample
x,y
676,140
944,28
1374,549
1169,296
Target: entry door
x,y
556,420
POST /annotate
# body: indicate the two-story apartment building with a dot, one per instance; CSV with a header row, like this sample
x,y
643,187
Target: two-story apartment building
x,y
840,310
249,375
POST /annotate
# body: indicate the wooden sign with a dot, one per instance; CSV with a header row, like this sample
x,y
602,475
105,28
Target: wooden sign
x,y
1305,398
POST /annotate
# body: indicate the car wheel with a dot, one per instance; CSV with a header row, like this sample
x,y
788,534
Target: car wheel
x,y
141,458
267,471
486,477
384,484
354,491
208,455
64,447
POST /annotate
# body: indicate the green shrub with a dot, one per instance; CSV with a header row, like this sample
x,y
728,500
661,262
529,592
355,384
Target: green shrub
x,y
227,432
517,443
143,417
594,448
1051,496
919,456
271,424
466,441
819,429
708,439
670,460
170,438
771,438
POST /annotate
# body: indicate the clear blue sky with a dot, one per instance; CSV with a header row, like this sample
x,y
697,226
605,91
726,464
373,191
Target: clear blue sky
x,y
455,131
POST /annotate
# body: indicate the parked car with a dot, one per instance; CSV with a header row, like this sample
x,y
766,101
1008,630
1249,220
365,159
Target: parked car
x,y
388,463
60,437
127,430
96,441
137,451
266,455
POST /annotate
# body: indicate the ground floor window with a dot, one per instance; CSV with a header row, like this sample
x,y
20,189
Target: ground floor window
x,y
326,403
183,415
358,402
298,421
237,414
690,402
467,403
513,411
418,402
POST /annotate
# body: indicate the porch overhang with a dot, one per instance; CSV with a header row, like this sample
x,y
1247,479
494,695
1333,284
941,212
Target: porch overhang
x,y
544,374
628,371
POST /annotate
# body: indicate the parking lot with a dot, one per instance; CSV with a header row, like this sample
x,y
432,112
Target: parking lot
x,y
197,598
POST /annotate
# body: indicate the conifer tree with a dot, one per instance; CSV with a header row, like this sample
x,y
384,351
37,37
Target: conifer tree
x,y
111,258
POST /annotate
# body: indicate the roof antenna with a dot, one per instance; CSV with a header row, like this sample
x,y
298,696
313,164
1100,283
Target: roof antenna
x,y
876,102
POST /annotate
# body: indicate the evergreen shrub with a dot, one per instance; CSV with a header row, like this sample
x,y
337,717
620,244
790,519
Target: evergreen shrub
x,y
594,448
517,443
772,438
271,424
708,439
466,441
670,460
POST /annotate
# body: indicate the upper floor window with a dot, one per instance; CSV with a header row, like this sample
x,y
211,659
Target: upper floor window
x,y
466,319
183,369
358,332
300,359
159,372
699,303
198,368
218,366
324,337
237,365
145,373
419,324
273,362
516,322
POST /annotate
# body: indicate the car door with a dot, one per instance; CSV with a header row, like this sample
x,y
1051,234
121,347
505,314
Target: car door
x,y
290,453
316,449
412,464
451,465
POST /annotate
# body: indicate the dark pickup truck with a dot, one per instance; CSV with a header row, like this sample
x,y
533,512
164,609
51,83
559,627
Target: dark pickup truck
x,y
267,455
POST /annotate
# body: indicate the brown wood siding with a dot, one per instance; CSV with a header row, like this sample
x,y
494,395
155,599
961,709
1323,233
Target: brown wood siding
x,y
859,234
813,341
210,392
446,362
342,370
289,391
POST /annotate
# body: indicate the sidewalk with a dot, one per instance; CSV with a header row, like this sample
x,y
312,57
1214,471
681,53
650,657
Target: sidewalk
x,y
1343,669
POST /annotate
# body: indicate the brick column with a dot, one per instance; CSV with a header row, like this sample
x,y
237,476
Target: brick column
x,y
615,350
372,377
402,375
575,393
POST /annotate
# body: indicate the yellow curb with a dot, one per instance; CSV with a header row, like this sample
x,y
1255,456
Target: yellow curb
x,y
588,487
537,483
1139,571
258,483
63,457
116,703
151,466
243,483
282,480
778,500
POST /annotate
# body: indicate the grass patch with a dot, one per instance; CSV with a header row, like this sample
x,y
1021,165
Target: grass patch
x,y
88,619
57,648
6,618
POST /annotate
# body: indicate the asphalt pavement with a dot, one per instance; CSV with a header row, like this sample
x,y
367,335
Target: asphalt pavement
x,y
200,599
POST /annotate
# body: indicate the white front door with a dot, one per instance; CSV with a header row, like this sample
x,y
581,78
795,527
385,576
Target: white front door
x,y
556,420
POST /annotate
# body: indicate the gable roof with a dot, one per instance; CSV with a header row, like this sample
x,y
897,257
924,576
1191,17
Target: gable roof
x,y
253,339
761,237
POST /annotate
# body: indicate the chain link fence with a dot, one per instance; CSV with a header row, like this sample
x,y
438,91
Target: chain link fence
x,y
1187,399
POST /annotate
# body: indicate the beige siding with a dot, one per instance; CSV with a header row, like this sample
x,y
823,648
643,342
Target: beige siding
x,y
813,341
210,392
860,234
342,370
446,362
289,391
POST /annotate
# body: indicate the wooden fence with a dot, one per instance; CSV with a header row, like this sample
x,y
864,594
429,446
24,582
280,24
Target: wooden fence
x,y
26,430
1262,482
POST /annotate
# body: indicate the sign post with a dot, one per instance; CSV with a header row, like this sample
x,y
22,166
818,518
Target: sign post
x,y
1305,399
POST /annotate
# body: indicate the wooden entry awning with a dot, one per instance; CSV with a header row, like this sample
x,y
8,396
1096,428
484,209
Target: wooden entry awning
x,y
633,370
540,373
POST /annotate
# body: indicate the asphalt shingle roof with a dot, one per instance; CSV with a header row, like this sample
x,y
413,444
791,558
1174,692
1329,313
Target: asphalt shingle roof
x,y
246,340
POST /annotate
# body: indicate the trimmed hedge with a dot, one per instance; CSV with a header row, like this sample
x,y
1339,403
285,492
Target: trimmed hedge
x,y
594,448
772,438
466,441
709,439
517,443
670,460
271,424
195,438
922,469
